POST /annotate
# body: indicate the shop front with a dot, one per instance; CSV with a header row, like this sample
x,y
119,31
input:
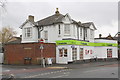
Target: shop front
x,y
73,50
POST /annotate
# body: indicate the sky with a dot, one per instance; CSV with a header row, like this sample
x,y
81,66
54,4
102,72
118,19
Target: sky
x,y
103,13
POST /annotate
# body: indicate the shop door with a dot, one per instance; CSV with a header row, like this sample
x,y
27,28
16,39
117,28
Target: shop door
x,y
74,54
81,53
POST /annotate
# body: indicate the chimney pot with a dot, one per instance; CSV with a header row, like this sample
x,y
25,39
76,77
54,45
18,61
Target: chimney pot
x,y
100,35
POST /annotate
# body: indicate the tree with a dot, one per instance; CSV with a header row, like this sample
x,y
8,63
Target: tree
x,y
6,34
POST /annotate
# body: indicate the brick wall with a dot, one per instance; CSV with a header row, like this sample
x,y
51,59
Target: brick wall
x,y
16,53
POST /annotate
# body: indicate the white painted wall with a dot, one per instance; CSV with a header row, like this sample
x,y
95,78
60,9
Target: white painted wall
x,y
105,41
101,52
34,37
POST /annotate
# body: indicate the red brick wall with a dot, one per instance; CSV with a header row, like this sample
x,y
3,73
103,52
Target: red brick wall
x,y
15,53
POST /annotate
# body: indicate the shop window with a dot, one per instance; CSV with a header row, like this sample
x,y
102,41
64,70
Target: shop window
x,y
62,52
65,52
109,53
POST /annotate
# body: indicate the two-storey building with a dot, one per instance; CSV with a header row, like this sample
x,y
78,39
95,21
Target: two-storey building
x,y
74,40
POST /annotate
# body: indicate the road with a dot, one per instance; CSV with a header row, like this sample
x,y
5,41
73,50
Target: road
x,y
73,70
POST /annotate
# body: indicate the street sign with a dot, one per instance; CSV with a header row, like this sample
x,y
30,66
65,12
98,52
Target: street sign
x,y
41,46
41,41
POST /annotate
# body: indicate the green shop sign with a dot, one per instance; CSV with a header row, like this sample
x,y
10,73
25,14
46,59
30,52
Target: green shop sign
x,y
83,43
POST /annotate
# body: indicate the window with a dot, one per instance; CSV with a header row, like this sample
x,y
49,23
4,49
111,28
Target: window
x,y
67,29
63,52
85,32
46,36
91,33
109,53
59,29
81,32
74,53
28,32
60,52
81,53
74,30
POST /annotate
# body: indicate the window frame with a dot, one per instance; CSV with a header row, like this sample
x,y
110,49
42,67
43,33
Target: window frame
x,y
28,32
66,29
46,35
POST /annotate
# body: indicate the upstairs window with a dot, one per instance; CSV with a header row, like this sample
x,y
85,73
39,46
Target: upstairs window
x,y
81,32
91,33
59,29
28,32
85,32
46,36
67,29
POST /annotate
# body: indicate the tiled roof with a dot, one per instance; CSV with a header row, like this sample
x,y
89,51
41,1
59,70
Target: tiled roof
x,y
56,18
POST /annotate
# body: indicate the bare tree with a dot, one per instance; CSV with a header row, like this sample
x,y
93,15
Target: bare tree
x,y
6,34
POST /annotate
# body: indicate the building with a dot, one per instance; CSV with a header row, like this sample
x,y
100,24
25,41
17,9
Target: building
x,y
74,40
56,27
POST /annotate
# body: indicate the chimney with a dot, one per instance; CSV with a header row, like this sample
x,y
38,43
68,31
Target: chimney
x,y
100,35
31,18
119,34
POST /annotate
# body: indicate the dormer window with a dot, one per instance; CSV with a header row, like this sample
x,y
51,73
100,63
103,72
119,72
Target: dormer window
x,y
28,32
67,29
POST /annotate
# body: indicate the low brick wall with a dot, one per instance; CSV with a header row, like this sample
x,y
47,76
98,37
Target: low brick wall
x,y
28,53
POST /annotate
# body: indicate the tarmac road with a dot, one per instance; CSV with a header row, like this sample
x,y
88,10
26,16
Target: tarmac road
x,y
107,69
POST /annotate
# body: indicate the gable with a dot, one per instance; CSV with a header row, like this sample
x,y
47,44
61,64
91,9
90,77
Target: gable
x,y
92,27
67,19
27,23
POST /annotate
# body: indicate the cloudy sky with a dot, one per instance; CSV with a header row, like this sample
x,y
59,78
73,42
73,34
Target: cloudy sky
x,y
104,14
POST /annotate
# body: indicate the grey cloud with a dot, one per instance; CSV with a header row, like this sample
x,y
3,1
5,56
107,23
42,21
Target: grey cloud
x,y
101,13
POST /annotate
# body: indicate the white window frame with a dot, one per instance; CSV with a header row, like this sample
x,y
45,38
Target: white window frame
x,y
91,33
66,29
46,36
80,32
74,54
86,33
63,54
28,32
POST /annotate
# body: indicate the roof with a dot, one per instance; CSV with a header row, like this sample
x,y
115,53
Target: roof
x,y
88,24
56,18
27,22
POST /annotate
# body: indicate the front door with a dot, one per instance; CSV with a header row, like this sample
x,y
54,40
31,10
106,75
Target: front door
x,y
74,54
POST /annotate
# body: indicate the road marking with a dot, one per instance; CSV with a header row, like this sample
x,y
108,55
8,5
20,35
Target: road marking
x,y
46,74
57,67
7,70
59,76
93,70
